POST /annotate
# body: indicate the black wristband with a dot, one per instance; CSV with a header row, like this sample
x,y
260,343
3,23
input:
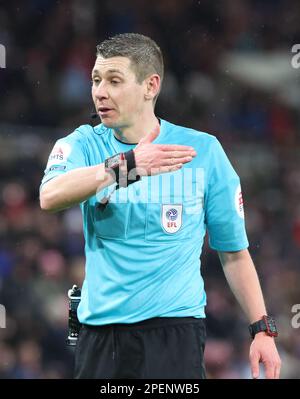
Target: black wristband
x,y
115,166
131,167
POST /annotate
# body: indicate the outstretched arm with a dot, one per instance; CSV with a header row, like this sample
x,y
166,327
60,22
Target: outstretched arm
x,y
242,278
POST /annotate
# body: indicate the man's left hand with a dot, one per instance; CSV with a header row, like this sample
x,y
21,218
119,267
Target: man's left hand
x,y
263,350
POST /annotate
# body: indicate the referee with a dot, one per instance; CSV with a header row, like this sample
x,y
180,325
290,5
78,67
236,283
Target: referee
x,y
148,191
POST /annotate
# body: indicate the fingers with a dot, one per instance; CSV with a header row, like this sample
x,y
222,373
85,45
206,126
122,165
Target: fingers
x,y
254,362
151,136
175,147
269,371
167,169
175,157
255,372
179,154
277,372
272,369
175,161
166,166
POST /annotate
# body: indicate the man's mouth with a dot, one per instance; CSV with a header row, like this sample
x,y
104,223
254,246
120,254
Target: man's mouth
x,y
103,111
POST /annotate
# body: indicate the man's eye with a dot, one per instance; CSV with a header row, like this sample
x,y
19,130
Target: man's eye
x,y
95,81
115,82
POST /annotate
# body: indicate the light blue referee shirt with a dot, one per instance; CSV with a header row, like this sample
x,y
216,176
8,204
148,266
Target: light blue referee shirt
x,y
142,251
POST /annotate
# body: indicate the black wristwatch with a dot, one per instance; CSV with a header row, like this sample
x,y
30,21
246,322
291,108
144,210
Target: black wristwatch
x,y
266,324
112,165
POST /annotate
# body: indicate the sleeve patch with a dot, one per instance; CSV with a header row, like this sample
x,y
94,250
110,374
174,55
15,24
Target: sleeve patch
x,y
239,203
59,154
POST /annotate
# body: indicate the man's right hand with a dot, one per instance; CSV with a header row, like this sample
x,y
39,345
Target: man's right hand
x,y
153,159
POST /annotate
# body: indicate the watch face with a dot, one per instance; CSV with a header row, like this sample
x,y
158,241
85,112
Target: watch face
x,y
271,326
113,162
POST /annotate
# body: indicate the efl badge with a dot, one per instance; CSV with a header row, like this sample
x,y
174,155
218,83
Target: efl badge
x,y
171,218
239,205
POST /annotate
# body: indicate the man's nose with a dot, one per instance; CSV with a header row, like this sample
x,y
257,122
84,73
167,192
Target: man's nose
x,y
101,91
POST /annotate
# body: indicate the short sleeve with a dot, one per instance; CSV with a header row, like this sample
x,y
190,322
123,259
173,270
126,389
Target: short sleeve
x,y
224,213
68,153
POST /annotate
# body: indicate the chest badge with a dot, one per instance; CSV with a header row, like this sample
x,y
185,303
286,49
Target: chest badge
x,y
171,218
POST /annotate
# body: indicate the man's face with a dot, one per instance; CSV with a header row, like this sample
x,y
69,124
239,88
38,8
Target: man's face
x,y
117,95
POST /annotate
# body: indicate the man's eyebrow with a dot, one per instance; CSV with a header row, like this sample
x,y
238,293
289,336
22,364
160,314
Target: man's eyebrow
x,y
96,72
115,71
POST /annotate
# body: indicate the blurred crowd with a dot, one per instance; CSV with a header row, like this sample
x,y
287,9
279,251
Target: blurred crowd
x,y
45,94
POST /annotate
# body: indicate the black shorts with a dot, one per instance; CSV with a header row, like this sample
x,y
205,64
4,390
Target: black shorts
x,y
162,347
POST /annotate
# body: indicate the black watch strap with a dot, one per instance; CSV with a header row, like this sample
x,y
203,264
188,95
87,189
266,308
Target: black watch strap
x,y
132,176
112,165
266,324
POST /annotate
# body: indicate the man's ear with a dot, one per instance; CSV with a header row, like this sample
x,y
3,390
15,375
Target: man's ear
x,y
152,86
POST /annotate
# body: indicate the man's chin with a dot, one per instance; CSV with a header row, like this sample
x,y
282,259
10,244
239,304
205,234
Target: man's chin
x,y
108,123
111,124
